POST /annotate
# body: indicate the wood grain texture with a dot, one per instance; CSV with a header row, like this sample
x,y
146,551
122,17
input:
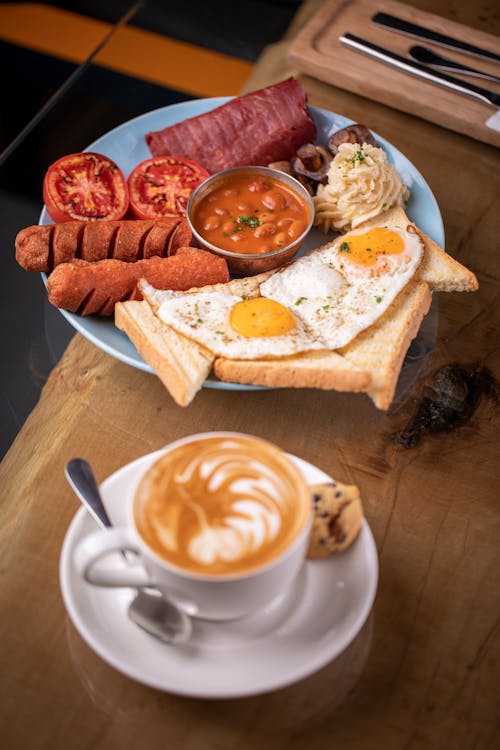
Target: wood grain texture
x,y
317,51
423,672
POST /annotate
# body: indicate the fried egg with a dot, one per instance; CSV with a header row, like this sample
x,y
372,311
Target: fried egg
x,y
238,328
320,301
345,287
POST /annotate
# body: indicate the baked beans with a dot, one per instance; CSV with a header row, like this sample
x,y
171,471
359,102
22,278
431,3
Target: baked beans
x,y
259,215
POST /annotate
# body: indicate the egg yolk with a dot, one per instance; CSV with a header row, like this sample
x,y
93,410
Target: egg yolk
x,y
261,317
364,249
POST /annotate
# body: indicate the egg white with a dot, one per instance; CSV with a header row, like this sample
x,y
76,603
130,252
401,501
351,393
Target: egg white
x,y
337,298
332,298
204,317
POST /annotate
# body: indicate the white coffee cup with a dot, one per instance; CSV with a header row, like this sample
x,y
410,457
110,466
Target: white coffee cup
x,y
227,569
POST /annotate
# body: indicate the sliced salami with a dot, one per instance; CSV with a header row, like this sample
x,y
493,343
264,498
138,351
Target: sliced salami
x,y
257,128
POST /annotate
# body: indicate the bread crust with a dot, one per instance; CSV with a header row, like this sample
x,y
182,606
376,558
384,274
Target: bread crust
x,y
181,365
323,370
381,348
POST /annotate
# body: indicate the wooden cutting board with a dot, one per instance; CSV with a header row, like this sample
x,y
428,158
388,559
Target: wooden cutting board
x,y
316,50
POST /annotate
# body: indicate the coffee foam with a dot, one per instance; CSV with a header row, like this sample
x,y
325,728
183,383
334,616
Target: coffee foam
x,y
221,505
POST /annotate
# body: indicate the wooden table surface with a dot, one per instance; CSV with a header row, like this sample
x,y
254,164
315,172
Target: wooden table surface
x,y
424,670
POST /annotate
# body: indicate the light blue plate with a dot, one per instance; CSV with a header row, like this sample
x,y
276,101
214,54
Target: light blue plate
x,y
126,145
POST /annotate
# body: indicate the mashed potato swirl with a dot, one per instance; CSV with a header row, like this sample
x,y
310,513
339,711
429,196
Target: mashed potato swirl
x,y
361,184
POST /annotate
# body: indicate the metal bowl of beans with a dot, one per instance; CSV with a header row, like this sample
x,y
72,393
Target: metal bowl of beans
x,y
255,217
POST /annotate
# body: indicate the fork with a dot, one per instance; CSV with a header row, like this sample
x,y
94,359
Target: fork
x,y
427,56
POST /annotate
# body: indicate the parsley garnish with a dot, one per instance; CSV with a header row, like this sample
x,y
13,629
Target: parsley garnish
x,y
199,320
252,221
300,300
379,299
344,247
358,157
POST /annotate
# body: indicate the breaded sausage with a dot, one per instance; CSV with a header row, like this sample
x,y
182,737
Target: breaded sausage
x,y
42,248
180,237
87,288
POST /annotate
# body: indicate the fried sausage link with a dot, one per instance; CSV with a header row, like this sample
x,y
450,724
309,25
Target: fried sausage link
x,y
42,248
94,288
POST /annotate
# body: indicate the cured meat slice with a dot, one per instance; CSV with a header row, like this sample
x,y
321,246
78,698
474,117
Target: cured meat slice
x,y
257,128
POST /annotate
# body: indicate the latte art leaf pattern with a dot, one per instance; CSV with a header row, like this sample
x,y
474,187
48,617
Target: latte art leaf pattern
x,y
252,526
221,509
229,507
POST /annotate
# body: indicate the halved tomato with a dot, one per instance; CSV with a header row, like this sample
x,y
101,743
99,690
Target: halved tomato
x,y
85,186
161,186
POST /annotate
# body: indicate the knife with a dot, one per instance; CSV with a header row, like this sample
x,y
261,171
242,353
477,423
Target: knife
x,y
419,32
419,70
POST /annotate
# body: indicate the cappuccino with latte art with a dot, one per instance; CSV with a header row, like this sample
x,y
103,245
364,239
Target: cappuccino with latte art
x,y
221,505
220,524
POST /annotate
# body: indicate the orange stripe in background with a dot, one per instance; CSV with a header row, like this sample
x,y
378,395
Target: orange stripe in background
x,y
132,51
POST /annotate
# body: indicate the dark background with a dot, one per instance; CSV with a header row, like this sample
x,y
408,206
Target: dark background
x,y
34,333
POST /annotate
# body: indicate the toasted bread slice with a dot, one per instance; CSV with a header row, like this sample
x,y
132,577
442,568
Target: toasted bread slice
x,y
371,363
438,269
325,370
382,347
181,364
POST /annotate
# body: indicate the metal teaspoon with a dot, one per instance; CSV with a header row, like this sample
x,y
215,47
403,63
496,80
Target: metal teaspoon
x,y
427,56
149,609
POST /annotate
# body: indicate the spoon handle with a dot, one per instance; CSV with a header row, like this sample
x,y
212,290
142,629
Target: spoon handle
x,y
149,609
81,478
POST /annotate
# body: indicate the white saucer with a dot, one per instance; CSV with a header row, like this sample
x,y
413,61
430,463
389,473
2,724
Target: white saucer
x,y
306,628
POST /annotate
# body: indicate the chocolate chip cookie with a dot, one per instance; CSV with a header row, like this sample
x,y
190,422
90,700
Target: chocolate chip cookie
x,y
338,515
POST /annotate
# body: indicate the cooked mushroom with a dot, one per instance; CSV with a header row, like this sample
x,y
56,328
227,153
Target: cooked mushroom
x,y
351,134
282,166
312,162
286,166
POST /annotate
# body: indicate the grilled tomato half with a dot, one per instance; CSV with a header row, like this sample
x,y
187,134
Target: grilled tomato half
x,y
85,186
161,186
